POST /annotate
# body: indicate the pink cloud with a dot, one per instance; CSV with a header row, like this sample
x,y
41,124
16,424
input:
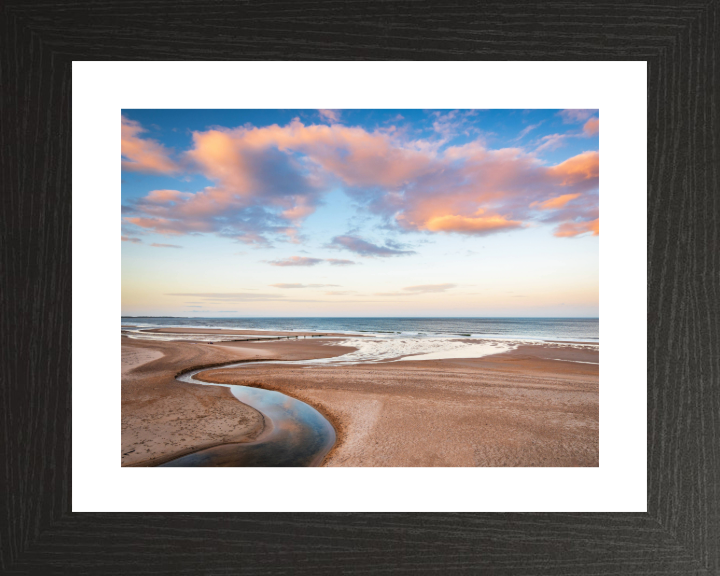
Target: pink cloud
x,y
155,245
551,142
133,240
557,202
477,225
591,127
576,115
143,155
570,229
296,261
330,115
267,181
582,168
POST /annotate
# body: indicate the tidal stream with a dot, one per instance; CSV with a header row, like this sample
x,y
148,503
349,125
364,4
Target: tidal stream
x,y
295,434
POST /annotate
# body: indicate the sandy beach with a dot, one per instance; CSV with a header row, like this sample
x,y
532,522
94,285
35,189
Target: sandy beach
x,y
536,405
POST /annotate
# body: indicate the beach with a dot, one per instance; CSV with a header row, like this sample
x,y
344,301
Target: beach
x,y
536,404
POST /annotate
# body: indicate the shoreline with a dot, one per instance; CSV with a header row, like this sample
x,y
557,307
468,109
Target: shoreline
x,y
270,333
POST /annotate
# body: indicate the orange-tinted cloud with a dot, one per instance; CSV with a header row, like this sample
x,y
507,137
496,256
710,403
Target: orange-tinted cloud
x,y
267,180
143,155
581,168
470,225
570,229
591,127
555,203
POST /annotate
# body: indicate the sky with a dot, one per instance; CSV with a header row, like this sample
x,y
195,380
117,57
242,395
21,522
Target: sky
x,y
367,213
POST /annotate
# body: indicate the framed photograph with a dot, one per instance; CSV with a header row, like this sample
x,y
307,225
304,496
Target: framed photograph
x,y
361,303
352,245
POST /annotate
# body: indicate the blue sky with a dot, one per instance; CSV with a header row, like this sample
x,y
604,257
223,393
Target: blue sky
x,y
360,212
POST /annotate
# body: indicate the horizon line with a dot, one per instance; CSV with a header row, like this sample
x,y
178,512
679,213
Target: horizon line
x,y
352,317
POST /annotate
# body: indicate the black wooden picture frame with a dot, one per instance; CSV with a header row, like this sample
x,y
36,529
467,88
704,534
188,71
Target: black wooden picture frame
x,y
680,533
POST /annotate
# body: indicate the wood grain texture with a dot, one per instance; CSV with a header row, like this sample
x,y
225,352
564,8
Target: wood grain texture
x,y
681,531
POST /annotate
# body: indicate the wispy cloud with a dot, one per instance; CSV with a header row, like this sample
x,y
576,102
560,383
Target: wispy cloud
x,y
525,131
227,295
296,261
133,240
339,262
155,245
426,288
210,311
365,248
570,115
210,297
289,286
453,123
553,141
305,261
419,289
330,115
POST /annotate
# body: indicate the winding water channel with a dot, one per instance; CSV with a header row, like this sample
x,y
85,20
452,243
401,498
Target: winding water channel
x,y
295,434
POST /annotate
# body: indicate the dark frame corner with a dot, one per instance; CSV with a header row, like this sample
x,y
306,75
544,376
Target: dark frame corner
x,y
681,532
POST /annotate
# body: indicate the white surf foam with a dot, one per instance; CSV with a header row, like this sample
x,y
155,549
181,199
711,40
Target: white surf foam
x,y
398,349
379,350
464,351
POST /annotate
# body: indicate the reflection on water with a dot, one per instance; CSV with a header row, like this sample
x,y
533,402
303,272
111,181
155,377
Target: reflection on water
x,y
295,434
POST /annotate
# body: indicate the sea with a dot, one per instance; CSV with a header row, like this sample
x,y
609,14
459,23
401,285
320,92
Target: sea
x,y
559,329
